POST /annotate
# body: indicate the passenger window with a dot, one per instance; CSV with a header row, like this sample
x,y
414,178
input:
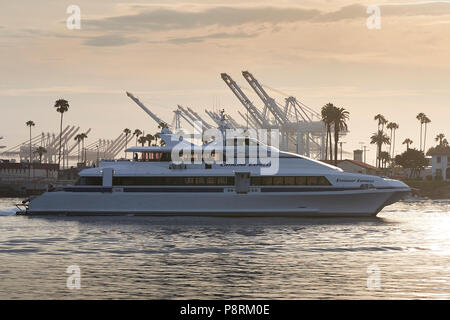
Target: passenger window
x,y
289,181
324,181
300,181
256,181
277,181
313,181
221,180
199,181
267,181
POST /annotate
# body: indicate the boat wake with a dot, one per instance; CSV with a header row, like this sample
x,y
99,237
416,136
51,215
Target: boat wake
x,y
8,211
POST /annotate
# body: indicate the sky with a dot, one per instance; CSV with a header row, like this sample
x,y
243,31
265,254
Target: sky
x,y
172,52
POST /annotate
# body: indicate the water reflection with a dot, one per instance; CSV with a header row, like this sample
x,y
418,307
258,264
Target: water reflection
x,y
200,257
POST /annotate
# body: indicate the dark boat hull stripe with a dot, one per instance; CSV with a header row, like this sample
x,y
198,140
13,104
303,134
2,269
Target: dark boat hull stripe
x,y
214,189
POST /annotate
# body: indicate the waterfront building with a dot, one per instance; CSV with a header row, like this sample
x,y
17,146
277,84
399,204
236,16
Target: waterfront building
x,y
440,162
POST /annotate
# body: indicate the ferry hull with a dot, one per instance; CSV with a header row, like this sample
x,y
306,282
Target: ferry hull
x,y
351,203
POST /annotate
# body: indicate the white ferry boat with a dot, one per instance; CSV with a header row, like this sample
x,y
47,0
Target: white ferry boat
x,y
152,184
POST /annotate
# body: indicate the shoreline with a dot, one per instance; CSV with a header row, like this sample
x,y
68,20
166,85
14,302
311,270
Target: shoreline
x,y
431,189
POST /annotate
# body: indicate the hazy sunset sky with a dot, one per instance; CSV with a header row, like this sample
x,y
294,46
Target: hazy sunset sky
x,y
172,52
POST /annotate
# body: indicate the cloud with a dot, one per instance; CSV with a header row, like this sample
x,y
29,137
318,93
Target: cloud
x,y
109,41
222,35
418,8
356,11
129,28
353,11
171,19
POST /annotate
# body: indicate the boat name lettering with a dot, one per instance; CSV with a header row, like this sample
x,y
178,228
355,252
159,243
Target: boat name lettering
x,y
345,180
244,165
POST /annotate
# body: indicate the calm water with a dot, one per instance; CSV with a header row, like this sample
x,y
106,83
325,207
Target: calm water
x,y
191,258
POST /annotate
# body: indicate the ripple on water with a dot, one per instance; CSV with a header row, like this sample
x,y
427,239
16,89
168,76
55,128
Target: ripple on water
x,y
198,257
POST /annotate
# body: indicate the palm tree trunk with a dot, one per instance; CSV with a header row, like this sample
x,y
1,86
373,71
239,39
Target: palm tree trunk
x,y
83,153
336,142
425,137
379,155
60,140
326,146
420,136
29,171
126,143
331,146
393,146
390,145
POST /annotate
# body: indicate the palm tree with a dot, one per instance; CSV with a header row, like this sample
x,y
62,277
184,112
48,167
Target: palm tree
x,y
83,156
426,121
137,133
381,121
440,137
127,132
396,126
392,126
379,138
61,106
142,140
163,125
385,158
40,151
340,117
327,113
78,139
156,137
149,137
30,124
445,143
407,141
420,117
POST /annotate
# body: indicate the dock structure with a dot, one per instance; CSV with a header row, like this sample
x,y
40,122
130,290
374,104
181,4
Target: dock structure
x,y
301,129
72,150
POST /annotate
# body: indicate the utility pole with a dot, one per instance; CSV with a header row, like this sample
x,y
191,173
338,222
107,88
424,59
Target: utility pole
x,y
97,154
365,151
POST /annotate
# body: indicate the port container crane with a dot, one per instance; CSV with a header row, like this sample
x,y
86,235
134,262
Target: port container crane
x,y
143,107
256,115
